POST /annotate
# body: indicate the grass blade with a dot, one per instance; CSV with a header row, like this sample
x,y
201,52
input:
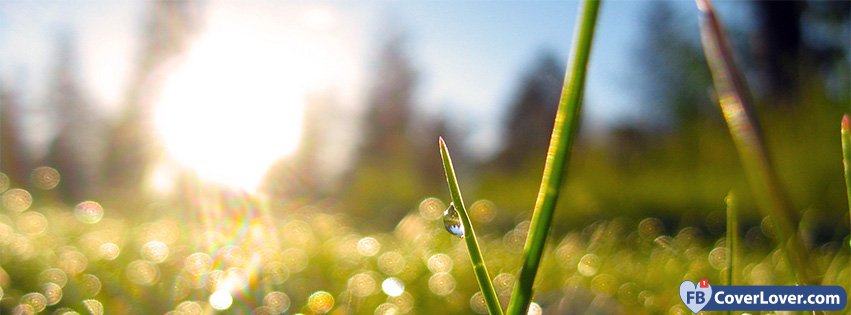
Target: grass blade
x,y
845,131
479,268
739,113
564,131
846,155
732,238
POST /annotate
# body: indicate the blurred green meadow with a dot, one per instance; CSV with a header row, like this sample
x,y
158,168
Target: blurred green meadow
x,y
241,172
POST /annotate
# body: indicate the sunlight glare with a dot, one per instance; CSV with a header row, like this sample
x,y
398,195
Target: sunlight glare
x,y
234,105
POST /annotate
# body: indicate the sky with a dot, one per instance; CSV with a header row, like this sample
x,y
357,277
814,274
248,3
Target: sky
x,y
470,55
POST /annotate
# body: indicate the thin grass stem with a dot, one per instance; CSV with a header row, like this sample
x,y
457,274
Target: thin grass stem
x,y
739,112
564,132
732,238
845,132
479,268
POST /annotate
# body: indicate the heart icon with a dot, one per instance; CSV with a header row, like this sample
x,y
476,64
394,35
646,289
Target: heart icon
x,y
695,297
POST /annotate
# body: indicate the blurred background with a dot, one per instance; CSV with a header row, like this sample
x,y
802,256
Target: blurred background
x,y
230,119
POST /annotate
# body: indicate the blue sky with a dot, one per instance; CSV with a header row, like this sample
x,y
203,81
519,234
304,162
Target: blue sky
x,y
469,54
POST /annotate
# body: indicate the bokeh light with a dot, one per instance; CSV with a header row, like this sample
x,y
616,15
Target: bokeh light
x,y
36,300
441,283
88,212
45,177
277,302
94,307
368,246
320,302
362,284
52,293
431,208
221,300
142,272
393,286
154,251
17,200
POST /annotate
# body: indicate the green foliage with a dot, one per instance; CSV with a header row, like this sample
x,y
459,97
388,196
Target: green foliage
x,y
469,234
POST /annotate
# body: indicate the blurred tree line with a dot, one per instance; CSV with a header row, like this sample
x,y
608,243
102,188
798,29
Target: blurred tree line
x,y
677,164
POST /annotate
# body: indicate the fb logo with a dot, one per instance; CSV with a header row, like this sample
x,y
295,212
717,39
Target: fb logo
x,y
695,297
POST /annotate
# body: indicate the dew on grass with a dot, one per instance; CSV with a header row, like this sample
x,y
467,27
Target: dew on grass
x,y
278,302
36,300
90,285
589,265
52,293
198,264
534,309
45,177
154,251
477,303
17,200
232,255
72,262
503,283
393,286
142,272
362,284
483,211
4,182
295,259
221,300
452,221
391,263
718,258
53,275
405,302
665,242
441,283
650,228
189,308
65,311
88,212
23,309
430,208
320,302
439,263
387,309
93,306
368,246
276,272
109,251
32,223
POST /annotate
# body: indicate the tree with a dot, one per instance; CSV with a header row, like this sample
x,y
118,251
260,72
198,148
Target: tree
x,y
75,149
132,149
531,113
14,156
383,181
674,77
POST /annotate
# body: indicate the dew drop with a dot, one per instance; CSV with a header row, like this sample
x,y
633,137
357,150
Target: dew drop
x,y
320,302
94,307
452,221
36,300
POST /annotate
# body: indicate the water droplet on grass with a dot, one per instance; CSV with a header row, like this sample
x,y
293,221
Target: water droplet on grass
x,y
452,221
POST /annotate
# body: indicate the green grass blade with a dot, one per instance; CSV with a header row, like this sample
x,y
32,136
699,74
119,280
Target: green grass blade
x,y
845,131
479,268
846,155
564,131
740,115
732,238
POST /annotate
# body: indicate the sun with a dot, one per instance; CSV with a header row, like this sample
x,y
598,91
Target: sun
x,y
234,103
